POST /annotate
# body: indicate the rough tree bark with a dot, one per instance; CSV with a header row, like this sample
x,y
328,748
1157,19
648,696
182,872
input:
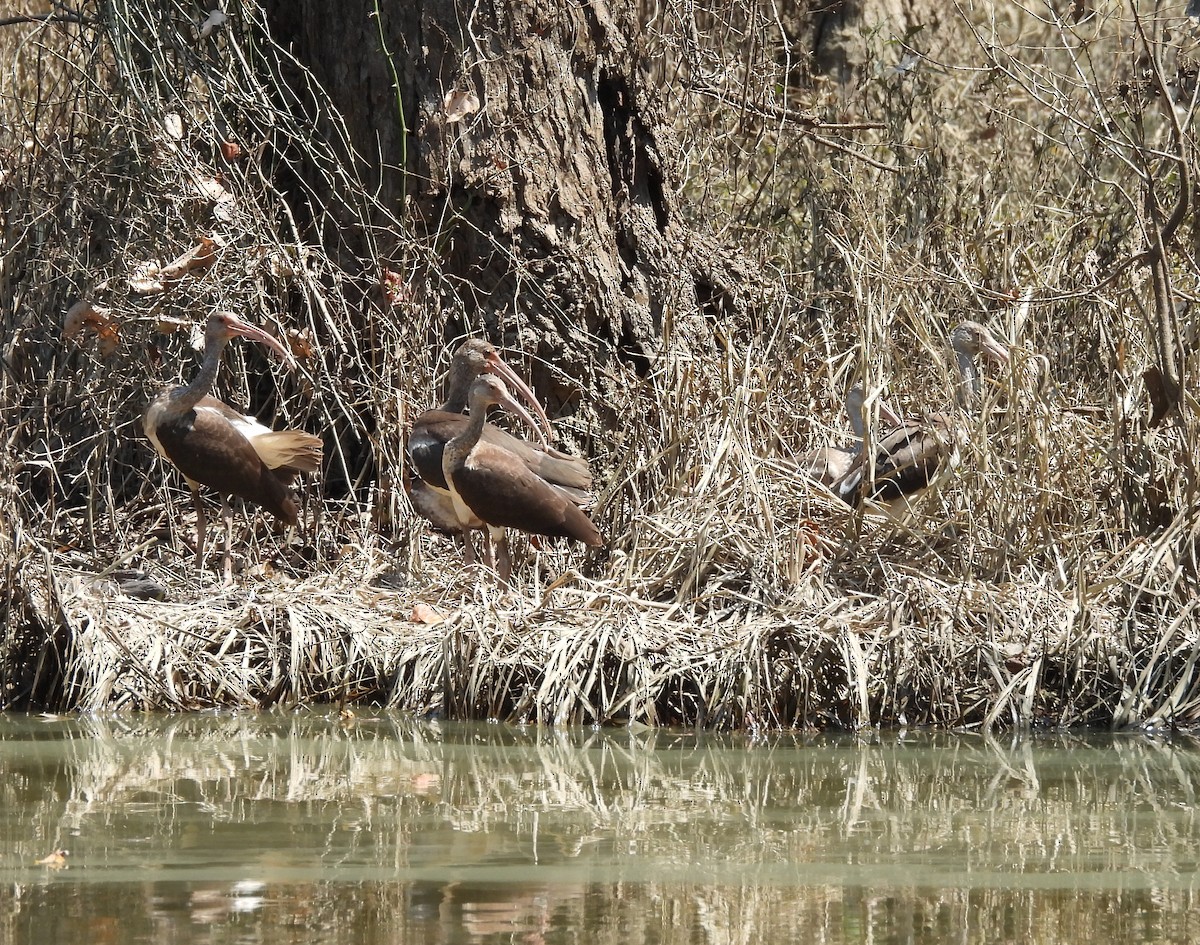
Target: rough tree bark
x,y
553,206
554,200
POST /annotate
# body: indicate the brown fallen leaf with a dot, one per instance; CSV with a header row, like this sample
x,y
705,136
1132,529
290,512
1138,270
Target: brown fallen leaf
x,y
427,614
212,187
146,281
230,150
394,287
84,316
151,278
300,343
168,324
200,256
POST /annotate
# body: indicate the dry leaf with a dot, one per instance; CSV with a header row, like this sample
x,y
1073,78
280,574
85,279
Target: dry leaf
x,y
300,343
231,150
145,280
84,315
200,256
458,105
173,125
427,614
394,287
212,188
284,263
152,277
211,22
169,325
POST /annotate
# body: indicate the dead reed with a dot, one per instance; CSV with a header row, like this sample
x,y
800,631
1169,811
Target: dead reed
x,y
1052,582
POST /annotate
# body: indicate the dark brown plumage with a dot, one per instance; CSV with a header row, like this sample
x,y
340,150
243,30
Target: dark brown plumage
x,y
214,445
499,489
921,451
434,428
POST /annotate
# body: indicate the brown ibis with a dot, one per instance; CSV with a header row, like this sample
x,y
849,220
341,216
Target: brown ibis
x,y
497,487
214,445
429,492
921,451
826,464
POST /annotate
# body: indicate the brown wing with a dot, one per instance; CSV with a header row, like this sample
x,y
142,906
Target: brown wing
x,y
904,461
435,505
293,451
428,438
207,448
435,428
499,488
557,468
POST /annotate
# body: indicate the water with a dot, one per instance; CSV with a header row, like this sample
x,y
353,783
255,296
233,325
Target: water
x,y
310,827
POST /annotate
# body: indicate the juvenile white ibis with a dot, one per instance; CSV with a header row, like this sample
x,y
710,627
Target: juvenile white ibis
x,y
214,445
827,464
919,452
429,491
498,488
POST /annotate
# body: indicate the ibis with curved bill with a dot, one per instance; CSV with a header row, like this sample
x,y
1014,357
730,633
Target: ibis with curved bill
x,y
496,486
569,476
920,452
214,445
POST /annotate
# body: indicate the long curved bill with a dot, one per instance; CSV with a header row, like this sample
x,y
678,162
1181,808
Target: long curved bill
x,y
244,329
995,349
511,404
497,366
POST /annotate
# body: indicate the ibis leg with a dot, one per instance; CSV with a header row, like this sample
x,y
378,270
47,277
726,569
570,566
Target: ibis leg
x,y
201,524
468,548
498,540
227,517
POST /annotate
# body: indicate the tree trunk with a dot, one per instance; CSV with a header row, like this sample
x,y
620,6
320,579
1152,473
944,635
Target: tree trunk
x,y
551,207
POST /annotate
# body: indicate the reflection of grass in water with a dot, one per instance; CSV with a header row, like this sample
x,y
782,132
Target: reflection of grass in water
x,y
1047,583
796,833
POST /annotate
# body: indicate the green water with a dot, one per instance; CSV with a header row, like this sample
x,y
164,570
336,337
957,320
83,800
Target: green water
x,y
309,827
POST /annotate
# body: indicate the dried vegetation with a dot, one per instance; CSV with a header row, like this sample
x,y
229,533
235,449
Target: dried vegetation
x,y
1000,164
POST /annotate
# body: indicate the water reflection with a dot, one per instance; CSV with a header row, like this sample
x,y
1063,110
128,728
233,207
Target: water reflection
x,y
382,828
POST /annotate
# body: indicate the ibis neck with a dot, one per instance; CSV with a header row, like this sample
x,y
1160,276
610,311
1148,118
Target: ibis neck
x,y
462,444
460,387
187,397
968,381
854,411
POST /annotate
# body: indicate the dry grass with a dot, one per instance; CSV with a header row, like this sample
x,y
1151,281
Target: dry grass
x,y
1051,582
